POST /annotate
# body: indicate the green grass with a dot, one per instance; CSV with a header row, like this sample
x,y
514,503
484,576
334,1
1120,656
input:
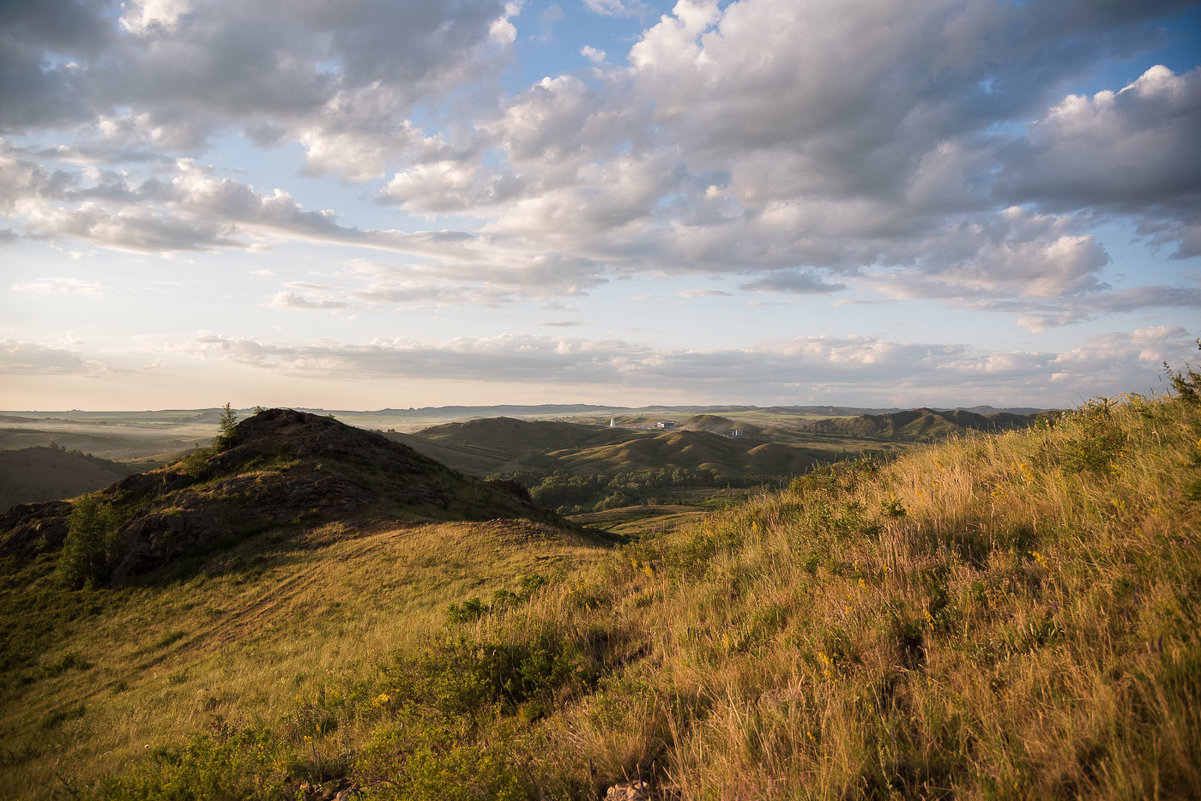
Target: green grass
x,y
110,672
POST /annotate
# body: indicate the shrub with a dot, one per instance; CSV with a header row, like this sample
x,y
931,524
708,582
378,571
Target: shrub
x,y
93,545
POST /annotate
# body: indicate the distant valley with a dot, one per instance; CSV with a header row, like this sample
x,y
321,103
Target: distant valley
x,y
575,458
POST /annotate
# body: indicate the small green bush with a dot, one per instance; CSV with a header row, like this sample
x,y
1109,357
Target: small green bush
x,y
94,543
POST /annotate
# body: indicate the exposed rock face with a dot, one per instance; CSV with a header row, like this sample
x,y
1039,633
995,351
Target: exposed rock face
x,y
280,468
34,526
637,790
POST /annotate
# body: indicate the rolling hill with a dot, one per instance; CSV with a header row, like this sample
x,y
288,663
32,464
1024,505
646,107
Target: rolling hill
x,y
698,450
31,475
279,468
497,444
920,424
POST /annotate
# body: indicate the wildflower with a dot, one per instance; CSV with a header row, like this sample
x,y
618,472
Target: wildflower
x,y
1038,557
827,664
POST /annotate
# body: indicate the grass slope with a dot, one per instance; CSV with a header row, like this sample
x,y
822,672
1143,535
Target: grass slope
x,y
921,424
32,475
295,548
97,678
499,444
698,450
1001,616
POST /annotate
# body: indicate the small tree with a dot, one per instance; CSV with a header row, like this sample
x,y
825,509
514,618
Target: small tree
x,y
94,543
228,428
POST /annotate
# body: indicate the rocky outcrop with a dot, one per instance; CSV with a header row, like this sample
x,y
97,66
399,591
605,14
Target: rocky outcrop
x,y
636,790
280,469
31,527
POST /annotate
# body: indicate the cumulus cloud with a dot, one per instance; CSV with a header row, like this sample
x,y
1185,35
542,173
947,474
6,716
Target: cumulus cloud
x,y
593,54
189,69
1133,149
918,149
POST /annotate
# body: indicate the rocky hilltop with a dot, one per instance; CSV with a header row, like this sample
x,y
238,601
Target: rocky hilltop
x,y
279,469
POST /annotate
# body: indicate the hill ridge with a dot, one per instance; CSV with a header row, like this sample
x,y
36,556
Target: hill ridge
x,y
277,468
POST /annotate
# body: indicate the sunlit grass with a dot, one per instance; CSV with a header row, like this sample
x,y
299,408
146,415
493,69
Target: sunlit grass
x,y
233,644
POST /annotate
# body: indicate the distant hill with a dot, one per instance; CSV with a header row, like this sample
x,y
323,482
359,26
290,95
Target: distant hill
x,y
32,475
717,424
701,442
511,436
102,439
920,424
282,468
497,444
699,450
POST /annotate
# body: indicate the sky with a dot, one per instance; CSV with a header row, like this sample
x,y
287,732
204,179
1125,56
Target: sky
x,y
364,204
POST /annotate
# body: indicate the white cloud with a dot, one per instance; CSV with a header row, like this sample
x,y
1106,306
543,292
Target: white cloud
x,y
146,17
617,8
1132,148
59,285
31,358
290,300
593,54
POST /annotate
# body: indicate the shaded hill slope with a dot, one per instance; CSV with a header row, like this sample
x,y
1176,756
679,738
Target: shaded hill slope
x,y
496,443
920,424
33,475
700,443
278,468
699,450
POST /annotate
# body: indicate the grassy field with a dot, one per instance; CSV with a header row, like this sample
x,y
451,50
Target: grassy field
x,y
999,616
121,670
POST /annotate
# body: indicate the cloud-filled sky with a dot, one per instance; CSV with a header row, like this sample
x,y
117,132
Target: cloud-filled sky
x,y
371,203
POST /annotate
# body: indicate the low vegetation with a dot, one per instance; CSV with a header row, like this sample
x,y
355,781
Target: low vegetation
x,y
999,616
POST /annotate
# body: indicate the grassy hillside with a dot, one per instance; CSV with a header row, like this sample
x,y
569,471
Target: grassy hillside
x,y
697,450
31,475
293,550
502,444
1001,616
921,424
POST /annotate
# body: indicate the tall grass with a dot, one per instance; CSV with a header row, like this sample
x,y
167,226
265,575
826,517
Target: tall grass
x,y
998,616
